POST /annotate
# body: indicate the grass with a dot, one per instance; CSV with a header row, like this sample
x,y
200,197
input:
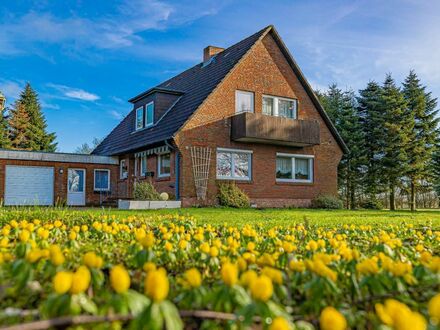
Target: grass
x,y
240,217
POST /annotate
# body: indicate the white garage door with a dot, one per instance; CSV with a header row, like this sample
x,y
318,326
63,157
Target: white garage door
x,y
29,185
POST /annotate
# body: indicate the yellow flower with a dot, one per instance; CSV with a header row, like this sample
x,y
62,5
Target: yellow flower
x,y
56,256
297,266
24,235
119,279
274,274
434,309
262,288
72,235
280,323
33,255
157,285
205,248
368,266
91,260
193,277
213,251
81,280
332,319
399,316
62,282
149,266
229,274
148,240
248,277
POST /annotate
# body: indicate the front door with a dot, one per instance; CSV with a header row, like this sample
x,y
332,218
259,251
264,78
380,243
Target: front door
x,y
76,187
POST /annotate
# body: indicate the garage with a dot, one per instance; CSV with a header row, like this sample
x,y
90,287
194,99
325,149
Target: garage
x,y
29,185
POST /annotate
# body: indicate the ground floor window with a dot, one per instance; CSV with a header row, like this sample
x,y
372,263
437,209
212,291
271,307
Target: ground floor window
x,y
234,164
294,168
164,165
123,169
143,165
102,180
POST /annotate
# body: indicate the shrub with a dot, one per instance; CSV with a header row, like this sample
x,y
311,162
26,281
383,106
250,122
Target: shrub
x,y
145,191
232,196
371,204
327,202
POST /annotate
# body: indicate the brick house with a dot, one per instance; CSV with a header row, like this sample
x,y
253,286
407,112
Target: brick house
x,y
245,114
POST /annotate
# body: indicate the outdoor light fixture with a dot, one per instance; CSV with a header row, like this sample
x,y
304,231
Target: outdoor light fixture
x,y
61,171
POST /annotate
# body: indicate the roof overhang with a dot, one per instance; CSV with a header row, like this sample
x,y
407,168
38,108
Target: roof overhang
x,y
154,90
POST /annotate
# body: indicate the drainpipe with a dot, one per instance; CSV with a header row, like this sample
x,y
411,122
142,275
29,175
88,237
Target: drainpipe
x,y
177,169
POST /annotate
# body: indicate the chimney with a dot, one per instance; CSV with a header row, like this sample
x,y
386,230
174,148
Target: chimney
x,y
210,51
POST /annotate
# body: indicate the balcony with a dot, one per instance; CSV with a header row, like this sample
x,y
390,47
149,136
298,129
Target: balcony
x,y
259,128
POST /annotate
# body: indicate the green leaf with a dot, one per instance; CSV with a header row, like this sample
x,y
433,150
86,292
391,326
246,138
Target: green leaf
x,y
171,316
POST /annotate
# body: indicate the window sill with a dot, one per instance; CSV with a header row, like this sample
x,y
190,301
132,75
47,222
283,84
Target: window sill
x,y
163,178
240,181
102,191
293,183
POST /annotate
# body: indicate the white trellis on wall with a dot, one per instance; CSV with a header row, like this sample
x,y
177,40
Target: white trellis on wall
x,y
201,158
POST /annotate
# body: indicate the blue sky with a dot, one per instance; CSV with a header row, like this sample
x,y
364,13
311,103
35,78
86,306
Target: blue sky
x,y
86,58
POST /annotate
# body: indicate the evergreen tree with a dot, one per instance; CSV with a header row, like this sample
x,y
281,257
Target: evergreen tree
x,y
5,142
421,109
436,170
39,138
85,148
398,126
372,122
19,128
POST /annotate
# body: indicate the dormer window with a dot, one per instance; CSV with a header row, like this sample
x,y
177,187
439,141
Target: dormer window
x,y
150,114
139,118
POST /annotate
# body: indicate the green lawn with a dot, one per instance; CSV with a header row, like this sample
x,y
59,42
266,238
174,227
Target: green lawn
x,y
240,217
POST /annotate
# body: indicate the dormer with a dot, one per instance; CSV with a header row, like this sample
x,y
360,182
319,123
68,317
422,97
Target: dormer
x,y
150,106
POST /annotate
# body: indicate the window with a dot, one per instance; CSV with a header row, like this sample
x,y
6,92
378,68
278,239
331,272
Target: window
x,y
150,114
139,118
294,168
280,107
102,180
164,165
244,101
234,164
123,169
143,165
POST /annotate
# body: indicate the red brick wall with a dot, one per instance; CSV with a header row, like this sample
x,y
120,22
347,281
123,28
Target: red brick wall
x,y
263,71
60,185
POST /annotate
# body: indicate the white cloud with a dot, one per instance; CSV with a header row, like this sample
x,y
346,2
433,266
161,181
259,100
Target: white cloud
x,y
115,114
11,89
74,93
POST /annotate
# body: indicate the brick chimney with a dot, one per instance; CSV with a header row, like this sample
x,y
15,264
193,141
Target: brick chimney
x,y
210,51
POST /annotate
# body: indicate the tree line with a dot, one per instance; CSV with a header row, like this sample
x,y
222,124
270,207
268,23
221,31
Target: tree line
x,y
24,127
393,136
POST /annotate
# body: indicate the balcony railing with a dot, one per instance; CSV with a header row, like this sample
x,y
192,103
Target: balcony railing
x,y
259,128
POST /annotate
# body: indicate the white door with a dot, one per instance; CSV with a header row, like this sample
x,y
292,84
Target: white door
x,y
29,185
76,186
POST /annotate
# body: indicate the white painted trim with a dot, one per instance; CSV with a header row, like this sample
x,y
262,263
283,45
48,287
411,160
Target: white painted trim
x,y
136,118
159,160
94,179
275,105
121,177
235,151
298,156
140,165
57,157
252,100
147,125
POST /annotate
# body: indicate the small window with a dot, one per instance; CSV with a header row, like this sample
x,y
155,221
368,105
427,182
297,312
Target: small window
x,y
280,107
164,165
102,180
244,101
294,168
123,169
150,114
234,164
144,166
139,118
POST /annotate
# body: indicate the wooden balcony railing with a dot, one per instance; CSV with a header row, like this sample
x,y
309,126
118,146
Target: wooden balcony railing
x,y
259,128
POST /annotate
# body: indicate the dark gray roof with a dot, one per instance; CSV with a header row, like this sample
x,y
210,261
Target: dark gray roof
x,y
195,83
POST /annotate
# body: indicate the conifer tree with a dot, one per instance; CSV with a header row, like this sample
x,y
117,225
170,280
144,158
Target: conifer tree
x,y
397,128
421,109
39,138
372,122
19,128
4,131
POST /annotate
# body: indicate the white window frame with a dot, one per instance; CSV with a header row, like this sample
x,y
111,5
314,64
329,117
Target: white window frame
x,y
159,163
94,179
121,176
143,118
275,105
147,124
143,173
237,92
234,151
311,159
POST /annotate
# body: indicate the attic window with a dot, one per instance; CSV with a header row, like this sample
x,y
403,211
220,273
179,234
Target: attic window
x,y
139,118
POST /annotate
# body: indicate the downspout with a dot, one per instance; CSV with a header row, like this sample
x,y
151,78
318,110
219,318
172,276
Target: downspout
x,y
177,169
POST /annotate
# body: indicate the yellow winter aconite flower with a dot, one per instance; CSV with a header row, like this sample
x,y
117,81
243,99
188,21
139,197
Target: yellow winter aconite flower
x,y
62,282
399,316
213,251
91,260
368,266
280,323
434,309
24,236
332,319
72,235
157,285
119,279
81,280
193,277
149,266
261,288
297,266
229,273
56,256
248,277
